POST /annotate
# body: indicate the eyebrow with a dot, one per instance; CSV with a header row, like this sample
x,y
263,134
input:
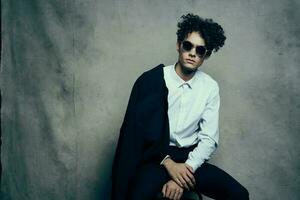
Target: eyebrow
x,y
194,44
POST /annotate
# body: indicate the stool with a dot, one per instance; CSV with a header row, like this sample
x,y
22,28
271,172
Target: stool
x,y
187,195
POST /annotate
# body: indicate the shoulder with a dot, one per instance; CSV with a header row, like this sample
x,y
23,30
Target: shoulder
x,y
151,76
208,80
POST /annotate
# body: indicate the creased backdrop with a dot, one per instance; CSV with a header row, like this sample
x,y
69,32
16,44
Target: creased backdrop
x,y
68,66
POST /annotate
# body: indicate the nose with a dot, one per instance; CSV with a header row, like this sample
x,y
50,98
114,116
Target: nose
x,y
192,52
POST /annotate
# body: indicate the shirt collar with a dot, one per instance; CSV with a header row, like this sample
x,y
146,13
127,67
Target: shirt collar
x,y
178,81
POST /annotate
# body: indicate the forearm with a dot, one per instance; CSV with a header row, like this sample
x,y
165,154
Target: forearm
x,y
201,153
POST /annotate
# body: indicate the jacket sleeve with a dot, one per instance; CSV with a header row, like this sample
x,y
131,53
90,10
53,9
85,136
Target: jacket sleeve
x,y
128,150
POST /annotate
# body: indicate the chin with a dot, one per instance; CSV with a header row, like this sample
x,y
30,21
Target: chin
x,y
188,68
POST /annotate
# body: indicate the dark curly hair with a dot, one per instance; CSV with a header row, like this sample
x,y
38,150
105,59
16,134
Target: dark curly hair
x,y
212,33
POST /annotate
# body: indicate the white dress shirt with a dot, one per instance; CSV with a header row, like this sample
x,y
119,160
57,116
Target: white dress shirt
x,y
193,114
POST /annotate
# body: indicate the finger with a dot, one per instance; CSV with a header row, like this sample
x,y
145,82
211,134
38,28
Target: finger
x,y
180,194
188,180
164,190
190,169
183,182
172,195
168,192
190,173
178,182
191,176
177,194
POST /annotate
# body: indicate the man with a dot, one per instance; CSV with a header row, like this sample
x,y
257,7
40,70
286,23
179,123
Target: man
x,y
171,128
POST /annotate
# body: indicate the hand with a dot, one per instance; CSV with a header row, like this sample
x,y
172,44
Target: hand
x,y
181,173
172,190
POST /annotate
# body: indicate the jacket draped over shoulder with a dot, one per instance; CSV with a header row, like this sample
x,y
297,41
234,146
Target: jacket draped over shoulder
x,y
144,134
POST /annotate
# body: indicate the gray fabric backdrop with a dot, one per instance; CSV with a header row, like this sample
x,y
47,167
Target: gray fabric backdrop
x,y
68,67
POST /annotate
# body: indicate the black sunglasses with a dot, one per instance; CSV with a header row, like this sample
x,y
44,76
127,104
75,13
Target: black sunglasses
x,y
200,50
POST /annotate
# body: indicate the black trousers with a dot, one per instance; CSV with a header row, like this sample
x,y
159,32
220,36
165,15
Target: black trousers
x,y
210,180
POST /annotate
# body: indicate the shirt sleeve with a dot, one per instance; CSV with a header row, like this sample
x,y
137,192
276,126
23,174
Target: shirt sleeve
x,y
162,162
209,132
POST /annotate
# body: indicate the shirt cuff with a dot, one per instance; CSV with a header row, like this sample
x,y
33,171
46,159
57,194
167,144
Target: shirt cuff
x,y
162,162
194,165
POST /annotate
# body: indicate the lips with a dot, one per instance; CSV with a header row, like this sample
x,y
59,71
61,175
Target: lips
x,y
190,61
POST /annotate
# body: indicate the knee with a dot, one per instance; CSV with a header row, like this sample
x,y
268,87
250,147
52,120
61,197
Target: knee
x,y
240,193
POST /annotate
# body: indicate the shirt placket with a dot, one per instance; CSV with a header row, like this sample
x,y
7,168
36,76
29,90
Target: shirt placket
x,y
181,114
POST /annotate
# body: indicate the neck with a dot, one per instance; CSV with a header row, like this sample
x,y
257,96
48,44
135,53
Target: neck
x,y
183,73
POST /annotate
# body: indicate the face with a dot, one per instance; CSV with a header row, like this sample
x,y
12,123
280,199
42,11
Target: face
x,y
190,60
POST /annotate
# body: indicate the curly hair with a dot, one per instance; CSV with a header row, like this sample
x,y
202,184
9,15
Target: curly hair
x,y
212,33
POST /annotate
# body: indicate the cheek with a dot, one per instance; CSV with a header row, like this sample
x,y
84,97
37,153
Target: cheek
x,y
184,55
181,56
200,61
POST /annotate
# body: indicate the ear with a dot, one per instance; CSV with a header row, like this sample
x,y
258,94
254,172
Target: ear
x,y
177,46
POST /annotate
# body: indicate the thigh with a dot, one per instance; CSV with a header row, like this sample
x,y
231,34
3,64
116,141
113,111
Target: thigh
x,y
217,184
148,181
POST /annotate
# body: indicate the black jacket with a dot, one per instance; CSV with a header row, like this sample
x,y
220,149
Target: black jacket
x,y
144,134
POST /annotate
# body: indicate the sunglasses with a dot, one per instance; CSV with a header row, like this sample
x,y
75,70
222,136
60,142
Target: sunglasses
x,y
200,50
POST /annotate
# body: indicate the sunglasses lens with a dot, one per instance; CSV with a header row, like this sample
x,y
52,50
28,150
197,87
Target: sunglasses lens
x,y
200,50
187,46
